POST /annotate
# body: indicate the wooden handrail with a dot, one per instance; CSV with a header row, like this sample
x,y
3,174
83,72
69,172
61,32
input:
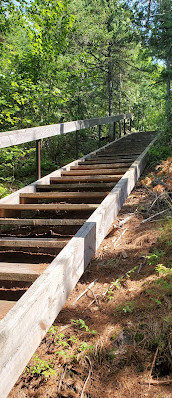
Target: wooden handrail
x,y
16,137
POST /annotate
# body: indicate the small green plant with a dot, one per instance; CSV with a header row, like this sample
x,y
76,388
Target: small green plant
x,y
128,307
161,269
53,330
41,367
158,302
62,342
84,346
154,257
117,283
110,294
82,325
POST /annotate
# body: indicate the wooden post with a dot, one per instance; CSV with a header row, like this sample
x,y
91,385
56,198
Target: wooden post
x,y
130,124
119,128
38,159
114,128
76,144
100,128
124,127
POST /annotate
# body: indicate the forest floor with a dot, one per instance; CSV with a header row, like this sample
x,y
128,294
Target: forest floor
x,y
115,340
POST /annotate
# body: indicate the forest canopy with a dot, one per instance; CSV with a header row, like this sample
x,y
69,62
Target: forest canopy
x,y
64,60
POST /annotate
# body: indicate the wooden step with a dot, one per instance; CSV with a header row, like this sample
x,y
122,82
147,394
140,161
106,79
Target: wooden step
x,y
113,159
33,242
36,222
8,209
103,178
112,154
59,196
77,187
5,306
21,271
102,171
105,161
101,166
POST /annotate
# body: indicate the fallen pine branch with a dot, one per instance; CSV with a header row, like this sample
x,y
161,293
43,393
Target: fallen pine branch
x,y
158,382
154,215
153,364
118,239
86,381
85,291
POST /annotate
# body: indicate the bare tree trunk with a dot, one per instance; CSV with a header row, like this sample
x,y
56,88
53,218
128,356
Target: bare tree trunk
x,y
110,87
168,103
110,82
119,102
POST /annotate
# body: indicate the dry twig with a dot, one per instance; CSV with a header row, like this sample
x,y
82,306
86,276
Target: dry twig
x,y
154,215
86,381
157,382
62,378
118,239
153,364
85,291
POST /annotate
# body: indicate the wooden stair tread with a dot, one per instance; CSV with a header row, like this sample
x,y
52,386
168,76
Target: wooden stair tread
x,y
5,306
105,161
62,195
100,166
102,171
78,187
21,271
86,178
33,242
40,222
49,207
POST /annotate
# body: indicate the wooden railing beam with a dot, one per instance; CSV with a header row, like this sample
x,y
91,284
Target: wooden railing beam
x,y
16,137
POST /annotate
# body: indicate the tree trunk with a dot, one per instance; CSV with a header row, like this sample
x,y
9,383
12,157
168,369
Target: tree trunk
x,y
110,82
168,108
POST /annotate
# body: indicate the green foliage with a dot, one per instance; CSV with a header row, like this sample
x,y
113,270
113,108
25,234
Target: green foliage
x,y
118,283
84,346
161,269
127,308
82,325
154,257
41,367
67,60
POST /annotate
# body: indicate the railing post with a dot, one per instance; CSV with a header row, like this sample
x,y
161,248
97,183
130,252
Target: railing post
x,y
119,128
38,159
100,129
76,144
114,128
124,127
130,125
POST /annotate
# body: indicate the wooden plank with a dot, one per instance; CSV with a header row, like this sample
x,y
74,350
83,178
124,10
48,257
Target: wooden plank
x,y
113,157
17,137
27,322
86,166
93,172
36,222
104,161
78,187
32,197
113,154
33,242
21,271
103,178
49,207
5,307
13,210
